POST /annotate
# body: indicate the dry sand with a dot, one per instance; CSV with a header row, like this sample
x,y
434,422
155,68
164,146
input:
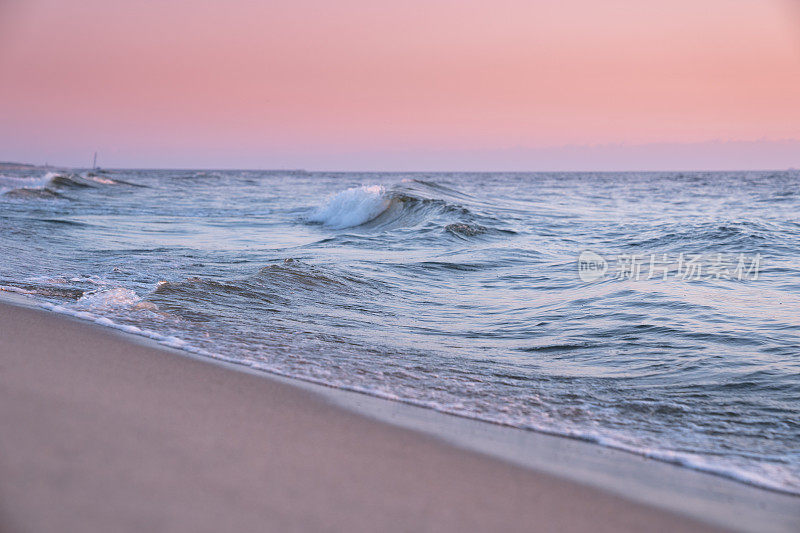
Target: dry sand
x,y
102,433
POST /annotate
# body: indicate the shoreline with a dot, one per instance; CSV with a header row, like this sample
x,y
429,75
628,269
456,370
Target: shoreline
x,y
353,399
618,484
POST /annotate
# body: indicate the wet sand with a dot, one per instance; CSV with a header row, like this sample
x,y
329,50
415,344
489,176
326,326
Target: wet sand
x,y
104,433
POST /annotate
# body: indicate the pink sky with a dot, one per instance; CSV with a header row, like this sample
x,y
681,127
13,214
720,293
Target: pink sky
x,y
359,84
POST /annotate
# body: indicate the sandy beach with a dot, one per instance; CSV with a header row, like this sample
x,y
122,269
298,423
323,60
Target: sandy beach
x,y
105,433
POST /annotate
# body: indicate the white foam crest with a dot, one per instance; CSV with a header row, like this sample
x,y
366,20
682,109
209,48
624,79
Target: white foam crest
x,y
10,183
111,298
91,176
352,207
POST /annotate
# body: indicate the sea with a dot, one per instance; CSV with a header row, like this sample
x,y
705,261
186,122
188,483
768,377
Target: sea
x,y
656,313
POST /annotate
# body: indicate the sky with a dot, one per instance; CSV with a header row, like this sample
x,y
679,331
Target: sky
x,y
413,85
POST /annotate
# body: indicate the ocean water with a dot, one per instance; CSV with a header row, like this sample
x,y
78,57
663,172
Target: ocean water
x,y
676,335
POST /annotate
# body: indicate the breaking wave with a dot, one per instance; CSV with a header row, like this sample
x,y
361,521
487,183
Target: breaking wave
x,y
352,207
52,184
109,298
412,203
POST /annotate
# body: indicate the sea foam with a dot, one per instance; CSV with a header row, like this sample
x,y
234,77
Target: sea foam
x,y
116,297
352,207
10,183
